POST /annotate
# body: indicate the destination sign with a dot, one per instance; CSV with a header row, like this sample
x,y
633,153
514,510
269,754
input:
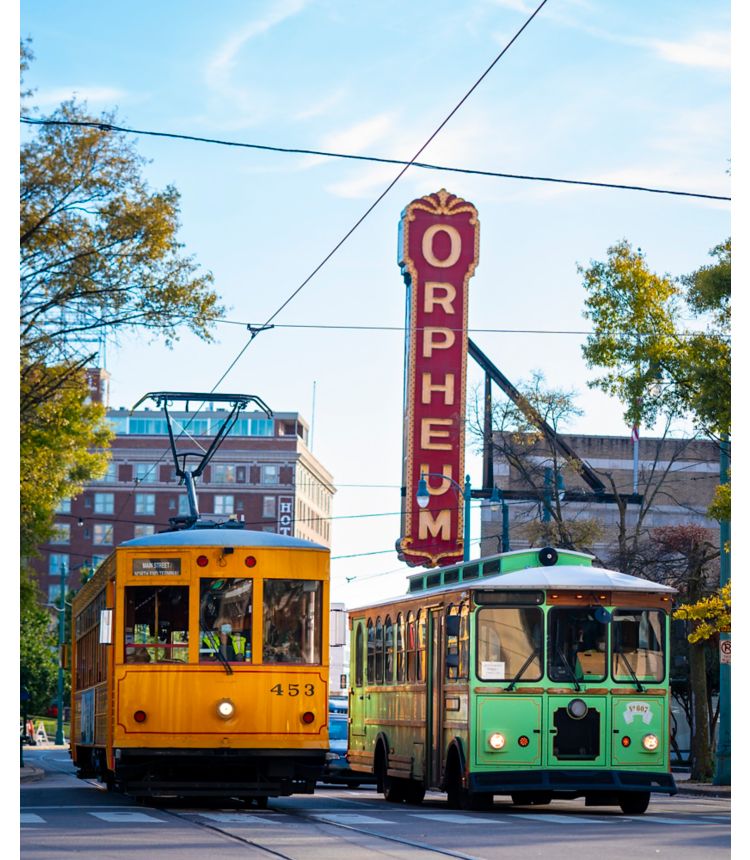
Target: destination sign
x,y
156,566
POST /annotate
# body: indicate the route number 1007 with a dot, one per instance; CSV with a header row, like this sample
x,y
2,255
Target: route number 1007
x,y
293,689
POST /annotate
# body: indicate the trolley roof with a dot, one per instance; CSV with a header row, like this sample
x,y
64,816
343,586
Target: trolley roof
x,y
222,537
563,577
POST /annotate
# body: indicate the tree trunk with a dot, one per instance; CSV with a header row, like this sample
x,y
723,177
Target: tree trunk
x,y
702,769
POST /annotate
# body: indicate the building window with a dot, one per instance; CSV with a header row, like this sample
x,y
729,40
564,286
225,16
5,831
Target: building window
x,y
183,506
96,560
102,534
61,534
145,504
56,562
269,473
269,506
111,474
53,594
104,503
223,504
224,473
143,531
144,472
63,507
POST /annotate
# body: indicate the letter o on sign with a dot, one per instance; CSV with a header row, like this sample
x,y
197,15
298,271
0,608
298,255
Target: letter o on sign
x,y
427,249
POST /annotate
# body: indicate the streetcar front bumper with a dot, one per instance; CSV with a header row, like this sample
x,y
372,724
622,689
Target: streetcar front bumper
x,y
571,783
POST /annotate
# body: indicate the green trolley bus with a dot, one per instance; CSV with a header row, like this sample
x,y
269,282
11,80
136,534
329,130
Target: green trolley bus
x,y
532,674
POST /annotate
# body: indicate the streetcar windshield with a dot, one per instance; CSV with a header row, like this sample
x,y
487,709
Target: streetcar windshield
x,y
156,624
638,645
577,645
509,643
226,607
292,621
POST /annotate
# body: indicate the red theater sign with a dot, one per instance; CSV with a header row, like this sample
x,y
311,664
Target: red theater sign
x,y
438,252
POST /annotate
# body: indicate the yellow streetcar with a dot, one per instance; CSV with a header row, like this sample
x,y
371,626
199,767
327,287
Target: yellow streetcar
x,y
199,664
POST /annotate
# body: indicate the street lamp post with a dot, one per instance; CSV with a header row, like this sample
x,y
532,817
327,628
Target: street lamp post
x,y
59,736
423,499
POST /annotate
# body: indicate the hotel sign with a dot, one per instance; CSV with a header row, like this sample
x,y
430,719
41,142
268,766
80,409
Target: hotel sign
x,y
438,252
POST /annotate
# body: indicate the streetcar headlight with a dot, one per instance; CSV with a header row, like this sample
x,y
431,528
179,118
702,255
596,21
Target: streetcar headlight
x,y
650,742
496,740
225,709
577,709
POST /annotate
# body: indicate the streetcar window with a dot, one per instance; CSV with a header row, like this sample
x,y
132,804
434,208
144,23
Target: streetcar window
x,y
292,621
463,643
226,620
411,649
577,645
358,661
370,652
509,643
388,650
378,651
421,644
156,623
400,650
638,645
451,644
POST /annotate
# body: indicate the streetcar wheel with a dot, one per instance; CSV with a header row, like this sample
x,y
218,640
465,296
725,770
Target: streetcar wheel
x,y
635,803
531,798
453,785
394,790
261,802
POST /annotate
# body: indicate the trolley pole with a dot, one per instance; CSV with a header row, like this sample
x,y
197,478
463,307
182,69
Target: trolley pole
x,y
723,771
467,518
59,736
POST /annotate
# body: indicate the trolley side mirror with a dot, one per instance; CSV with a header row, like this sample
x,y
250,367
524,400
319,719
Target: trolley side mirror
x,y
105,627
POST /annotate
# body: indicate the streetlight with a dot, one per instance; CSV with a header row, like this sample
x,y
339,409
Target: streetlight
x,y
423,499
59,736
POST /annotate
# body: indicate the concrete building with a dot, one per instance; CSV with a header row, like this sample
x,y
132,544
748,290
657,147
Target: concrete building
x,y
263,474
679,476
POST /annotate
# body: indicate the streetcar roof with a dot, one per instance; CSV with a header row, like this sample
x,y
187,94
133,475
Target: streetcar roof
x,y
222,537
561,577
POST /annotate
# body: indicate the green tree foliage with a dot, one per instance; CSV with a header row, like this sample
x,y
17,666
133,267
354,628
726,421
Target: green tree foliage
x,y
38,649
638,341
63,445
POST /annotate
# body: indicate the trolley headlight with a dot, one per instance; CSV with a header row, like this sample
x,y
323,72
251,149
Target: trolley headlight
x,y
225,709
577,709
650,742
496,740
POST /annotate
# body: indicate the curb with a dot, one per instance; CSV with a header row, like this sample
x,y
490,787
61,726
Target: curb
x,y
29,772
705,790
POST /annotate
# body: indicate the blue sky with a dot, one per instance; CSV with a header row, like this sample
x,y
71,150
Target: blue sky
x,y
635,93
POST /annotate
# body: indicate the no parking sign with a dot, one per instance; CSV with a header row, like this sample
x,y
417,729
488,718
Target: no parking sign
x,y
725,651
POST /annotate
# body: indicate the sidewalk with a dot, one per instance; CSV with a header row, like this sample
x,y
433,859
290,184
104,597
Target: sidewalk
x,y
685,785
31,771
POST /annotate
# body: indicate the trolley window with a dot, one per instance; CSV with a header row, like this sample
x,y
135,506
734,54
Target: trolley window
x,y
292,621
638,645
388,650
358,661
156,623
378,651
370,652
509,643
226,620
400,650
577,645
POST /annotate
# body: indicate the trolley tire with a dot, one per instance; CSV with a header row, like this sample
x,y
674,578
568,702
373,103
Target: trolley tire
x,y
531,798
394,789
635,803
261,802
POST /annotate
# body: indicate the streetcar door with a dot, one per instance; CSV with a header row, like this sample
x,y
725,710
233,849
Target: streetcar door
x,y
434,682
357,677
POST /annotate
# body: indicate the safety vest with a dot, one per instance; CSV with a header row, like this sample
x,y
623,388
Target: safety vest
x,y
240,643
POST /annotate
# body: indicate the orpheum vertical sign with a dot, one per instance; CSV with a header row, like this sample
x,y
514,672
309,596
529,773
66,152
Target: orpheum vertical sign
x,y
438,252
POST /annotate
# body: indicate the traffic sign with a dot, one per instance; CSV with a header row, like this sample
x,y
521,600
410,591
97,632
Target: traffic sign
x,y
725,651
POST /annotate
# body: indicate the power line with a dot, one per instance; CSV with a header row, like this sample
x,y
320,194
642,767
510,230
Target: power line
x,y
494,174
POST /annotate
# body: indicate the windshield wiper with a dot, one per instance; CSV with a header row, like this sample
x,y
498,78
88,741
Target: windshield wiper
x,y
520,672
570,669
217,651
638,684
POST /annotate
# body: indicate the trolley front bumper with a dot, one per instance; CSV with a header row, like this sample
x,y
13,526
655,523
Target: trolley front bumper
x,y
572,783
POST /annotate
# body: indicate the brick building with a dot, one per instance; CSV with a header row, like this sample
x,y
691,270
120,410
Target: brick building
x,y
681,475
263,474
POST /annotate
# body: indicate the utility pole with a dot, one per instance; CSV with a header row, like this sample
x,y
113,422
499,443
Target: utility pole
x,y
723,770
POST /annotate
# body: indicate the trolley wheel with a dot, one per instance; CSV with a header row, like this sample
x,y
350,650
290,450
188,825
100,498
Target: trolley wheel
x,y
635,803
531,798
394,789
261,802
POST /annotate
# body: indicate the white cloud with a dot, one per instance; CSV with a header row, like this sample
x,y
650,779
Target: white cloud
x,y
220,65
359,137
705,50
92,95
322,107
